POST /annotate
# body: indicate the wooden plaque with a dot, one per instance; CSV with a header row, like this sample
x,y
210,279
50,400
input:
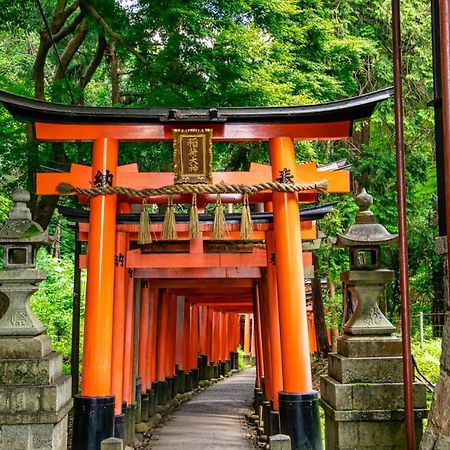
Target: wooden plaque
x,y
192,158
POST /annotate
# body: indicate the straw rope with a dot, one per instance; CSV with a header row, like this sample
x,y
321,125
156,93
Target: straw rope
x,y
220,188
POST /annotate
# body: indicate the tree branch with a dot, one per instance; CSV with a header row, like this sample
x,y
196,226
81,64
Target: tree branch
x,y
69,29
96,60
71,48
112,33
60,16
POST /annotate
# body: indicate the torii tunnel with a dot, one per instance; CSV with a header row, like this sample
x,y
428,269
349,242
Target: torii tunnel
x,y
166,309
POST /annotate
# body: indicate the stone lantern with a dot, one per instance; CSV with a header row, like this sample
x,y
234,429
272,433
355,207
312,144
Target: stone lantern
x,y
21,238
36,396
362,395
365,281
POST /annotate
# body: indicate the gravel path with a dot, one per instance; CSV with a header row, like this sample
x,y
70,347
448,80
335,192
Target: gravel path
x,y
214,419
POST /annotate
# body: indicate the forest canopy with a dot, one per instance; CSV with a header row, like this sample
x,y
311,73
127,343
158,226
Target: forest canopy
x,y
195,53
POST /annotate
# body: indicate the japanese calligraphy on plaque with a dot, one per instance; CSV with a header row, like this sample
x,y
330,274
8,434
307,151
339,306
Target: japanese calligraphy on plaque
x,y
192,156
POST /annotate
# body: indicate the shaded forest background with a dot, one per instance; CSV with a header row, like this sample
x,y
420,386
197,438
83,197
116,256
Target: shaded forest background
x,y
207,53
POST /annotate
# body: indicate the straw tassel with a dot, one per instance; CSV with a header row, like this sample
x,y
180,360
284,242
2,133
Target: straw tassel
x,y
246,220
194,225
220,225
144,235
170,226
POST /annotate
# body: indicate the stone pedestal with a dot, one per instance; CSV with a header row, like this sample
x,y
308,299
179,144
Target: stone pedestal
x,y
362,396
35,397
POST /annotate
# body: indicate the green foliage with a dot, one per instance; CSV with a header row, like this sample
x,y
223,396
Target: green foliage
x,y
194,53
52,303
428,358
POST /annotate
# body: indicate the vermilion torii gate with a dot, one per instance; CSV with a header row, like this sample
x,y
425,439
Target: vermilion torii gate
x,y
279,291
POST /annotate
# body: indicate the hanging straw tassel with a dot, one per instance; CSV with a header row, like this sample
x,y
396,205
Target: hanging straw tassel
x,y
220,225
170,226
246,220
194,225
144,235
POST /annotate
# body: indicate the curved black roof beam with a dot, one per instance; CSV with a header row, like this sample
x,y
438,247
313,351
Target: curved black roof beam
x,y
354,108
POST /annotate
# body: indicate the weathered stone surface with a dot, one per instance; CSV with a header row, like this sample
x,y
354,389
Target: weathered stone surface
x,y
366,435
386,396
367,286
18,286
112,443
367,346
438,427
34,436
25,347
35,404
280,442
365,370
49,436
31,371
380,415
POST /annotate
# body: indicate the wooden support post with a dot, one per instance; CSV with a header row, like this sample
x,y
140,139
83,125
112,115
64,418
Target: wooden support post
x,y
150,338
298,398
290,278
76,313
144,327
163,319
193,344
127,388
96,398
171,336
257,338
209,333
180,332
247,334
269,284
252,336
97,350
136,330
203,328
186,335
265,342
154,334
120,280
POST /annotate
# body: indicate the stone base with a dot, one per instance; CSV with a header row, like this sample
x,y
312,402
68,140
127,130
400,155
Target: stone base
x,y
25,347
363,398
45,436
367,435
35,398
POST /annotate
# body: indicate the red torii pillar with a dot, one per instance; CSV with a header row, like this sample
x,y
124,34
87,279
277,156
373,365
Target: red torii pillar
x,y
96,388
299,409
161,350
120,283
269,284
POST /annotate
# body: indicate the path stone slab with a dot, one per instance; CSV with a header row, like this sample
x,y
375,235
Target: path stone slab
x,y
212,420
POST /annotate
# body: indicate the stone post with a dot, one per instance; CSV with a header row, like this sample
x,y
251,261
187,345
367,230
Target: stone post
x,y
35,397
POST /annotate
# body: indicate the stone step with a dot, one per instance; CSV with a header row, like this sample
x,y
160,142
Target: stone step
x,y
25,347
34,402
368,434
31,371
365,370
362,396
367,346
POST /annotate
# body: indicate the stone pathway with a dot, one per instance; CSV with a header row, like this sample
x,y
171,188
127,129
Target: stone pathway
x,y
214,419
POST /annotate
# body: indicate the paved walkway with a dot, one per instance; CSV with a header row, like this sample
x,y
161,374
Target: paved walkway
x,y
211,420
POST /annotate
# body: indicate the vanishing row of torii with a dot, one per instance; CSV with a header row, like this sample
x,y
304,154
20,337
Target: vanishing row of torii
x,y
190,297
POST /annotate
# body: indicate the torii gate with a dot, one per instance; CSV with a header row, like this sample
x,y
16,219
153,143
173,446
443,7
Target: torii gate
x,y
285,298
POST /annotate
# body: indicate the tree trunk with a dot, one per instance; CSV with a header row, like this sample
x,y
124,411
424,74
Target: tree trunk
x,y
437,433
323,346
115,97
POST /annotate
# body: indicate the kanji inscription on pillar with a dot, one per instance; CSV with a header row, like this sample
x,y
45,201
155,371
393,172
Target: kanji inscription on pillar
x,y
192,156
